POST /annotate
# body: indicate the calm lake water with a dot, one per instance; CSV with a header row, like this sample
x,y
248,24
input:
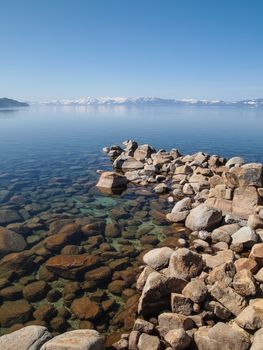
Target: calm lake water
x,y
56,131
48,162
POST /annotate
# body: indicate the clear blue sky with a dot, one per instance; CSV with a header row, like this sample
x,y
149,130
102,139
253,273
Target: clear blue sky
x,y
168,48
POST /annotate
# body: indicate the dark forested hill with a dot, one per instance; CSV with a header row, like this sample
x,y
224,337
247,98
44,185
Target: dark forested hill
x,y
7,103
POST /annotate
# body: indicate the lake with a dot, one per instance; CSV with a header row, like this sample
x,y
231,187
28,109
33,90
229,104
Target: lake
x,y
48,170
53,131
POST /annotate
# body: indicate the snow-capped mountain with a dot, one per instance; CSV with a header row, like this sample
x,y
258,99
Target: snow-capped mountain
x,y
148,101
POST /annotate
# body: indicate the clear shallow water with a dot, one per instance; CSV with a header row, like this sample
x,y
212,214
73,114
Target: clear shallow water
x,y
48,162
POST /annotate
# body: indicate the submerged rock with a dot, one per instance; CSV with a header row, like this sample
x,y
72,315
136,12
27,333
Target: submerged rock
x,y
85,309
203,218
10,242
7,216
71,266
12,312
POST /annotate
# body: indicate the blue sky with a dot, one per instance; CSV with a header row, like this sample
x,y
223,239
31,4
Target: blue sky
x,y
168,48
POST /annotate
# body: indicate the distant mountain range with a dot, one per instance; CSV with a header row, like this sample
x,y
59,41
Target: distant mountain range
x,y
9,103
133,101
149,101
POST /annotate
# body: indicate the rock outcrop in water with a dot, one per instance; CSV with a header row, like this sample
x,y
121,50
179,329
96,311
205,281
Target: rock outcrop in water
x,y
206,294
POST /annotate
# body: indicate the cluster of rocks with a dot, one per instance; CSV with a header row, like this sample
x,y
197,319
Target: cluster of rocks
x,y
208,292
233,187
198,301
72,274
67,272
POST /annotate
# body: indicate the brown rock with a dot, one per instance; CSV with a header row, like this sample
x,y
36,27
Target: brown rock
x,y
21,263
181,304
185,264
169,320
246,263
71,266
228,297
85,309
11,293
101,274
148,342
178,339
35,291
221,336
221,257
10,242
195,290
112,181
245,201
13,312
158,285
45,312
117,286
244,284
257,254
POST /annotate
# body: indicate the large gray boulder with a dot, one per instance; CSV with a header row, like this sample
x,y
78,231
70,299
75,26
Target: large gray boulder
x,y
158,258
178,339
112,181
148,342
245,236
203,218
156,294
222,337
251,318
132,163
224,233
235,161
185,264
143,152
27,338
231,300
82,339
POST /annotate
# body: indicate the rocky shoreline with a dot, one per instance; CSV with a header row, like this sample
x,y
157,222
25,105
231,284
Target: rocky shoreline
x,y
204,292
207,293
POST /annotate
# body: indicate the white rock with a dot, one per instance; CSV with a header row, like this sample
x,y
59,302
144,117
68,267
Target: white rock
x,y
179,216
148,342
258,340
245,236
83,339
203,218
235,161
182,205
178,339
27,338
158,258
